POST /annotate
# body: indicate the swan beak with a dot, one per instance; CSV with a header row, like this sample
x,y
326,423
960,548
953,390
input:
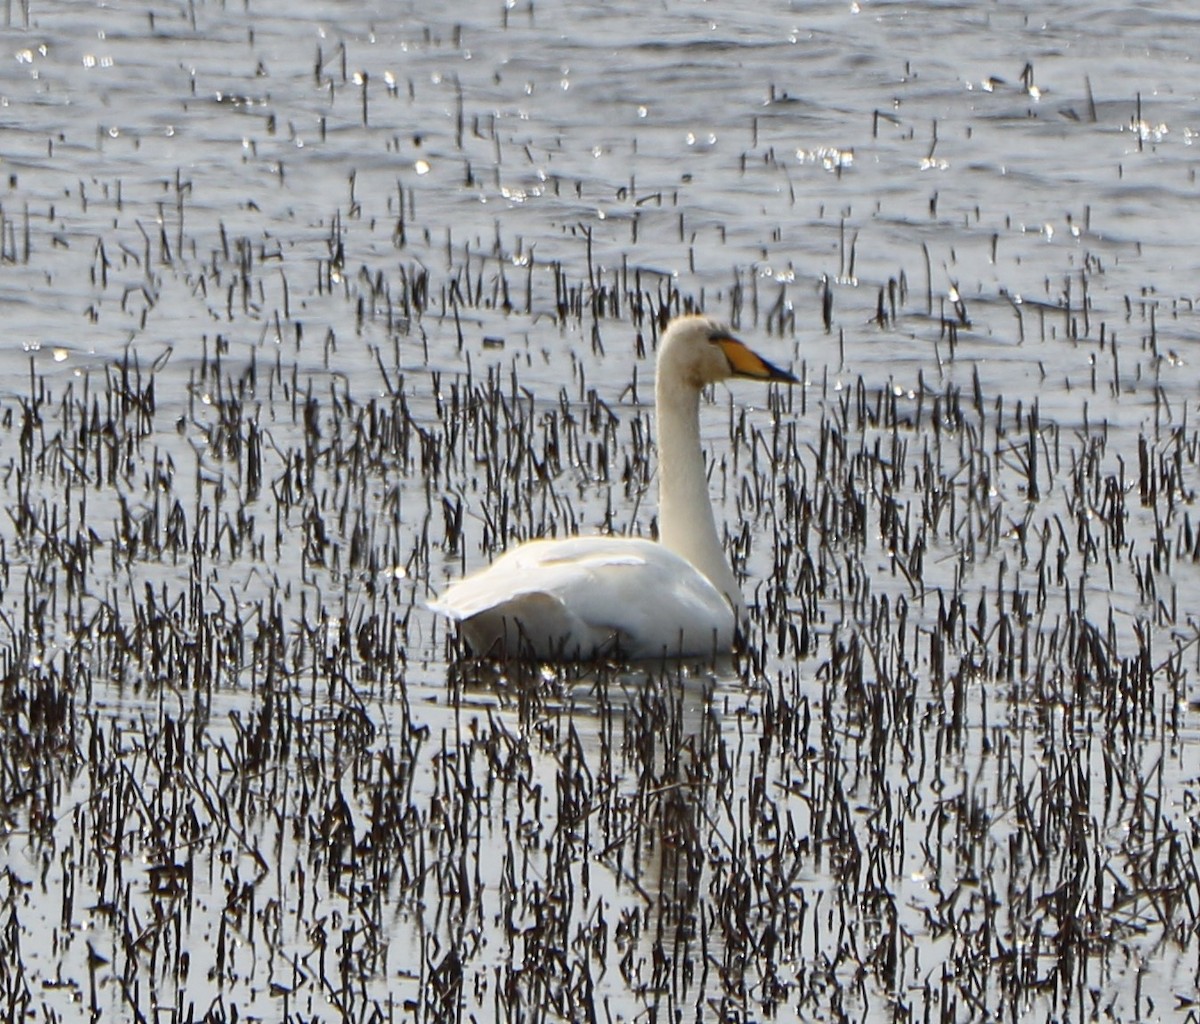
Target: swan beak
x,y
747,363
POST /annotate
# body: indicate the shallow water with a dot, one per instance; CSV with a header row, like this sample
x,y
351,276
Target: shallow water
x,y
307,314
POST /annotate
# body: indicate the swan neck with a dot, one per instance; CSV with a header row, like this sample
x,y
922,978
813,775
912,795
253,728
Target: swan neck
x,y
685,515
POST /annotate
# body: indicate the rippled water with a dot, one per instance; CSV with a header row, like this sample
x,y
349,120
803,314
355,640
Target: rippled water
x,y
359,201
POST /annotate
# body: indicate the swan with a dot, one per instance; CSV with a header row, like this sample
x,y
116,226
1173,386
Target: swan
x,y
585,597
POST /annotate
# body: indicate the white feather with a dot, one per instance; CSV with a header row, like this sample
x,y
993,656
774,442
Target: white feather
x,y
587,596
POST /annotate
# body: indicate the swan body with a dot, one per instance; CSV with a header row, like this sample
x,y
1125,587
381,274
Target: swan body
x,y
592,596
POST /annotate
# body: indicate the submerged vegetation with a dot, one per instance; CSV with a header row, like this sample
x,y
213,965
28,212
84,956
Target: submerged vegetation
x,y
264,399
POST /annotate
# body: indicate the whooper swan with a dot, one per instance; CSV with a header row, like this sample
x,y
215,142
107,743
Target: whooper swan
x,y
596,596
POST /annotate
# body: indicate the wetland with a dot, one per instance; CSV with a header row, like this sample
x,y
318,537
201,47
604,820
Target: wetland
x,y
309,311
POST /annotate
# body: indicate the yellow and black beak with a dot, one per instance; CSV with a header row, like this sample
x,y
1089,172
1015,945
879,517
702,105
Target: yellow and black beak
x,y
746,363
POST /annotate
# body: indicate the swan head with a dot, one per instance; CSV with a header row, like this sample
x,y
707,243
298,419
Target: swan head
x,y
697,351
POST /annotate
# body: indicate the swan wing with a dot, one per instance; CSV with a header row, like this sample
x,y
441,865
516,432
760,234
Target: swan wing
x,y
590,595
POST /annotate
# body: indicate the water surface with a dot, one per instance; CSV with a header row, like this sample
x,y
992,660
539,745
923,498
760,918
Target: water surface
x,y
308,311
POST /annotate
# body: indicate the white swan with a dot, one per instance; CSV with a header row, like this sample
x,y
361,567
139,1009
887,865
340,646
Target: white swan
x,y
584,597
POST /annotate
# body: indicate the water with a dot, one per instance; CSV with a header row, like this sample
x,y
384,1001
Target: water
x,y
308,311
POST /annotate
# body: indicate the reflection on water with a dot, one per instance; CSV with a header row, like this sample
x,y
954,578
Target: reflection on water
x,y
307,313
